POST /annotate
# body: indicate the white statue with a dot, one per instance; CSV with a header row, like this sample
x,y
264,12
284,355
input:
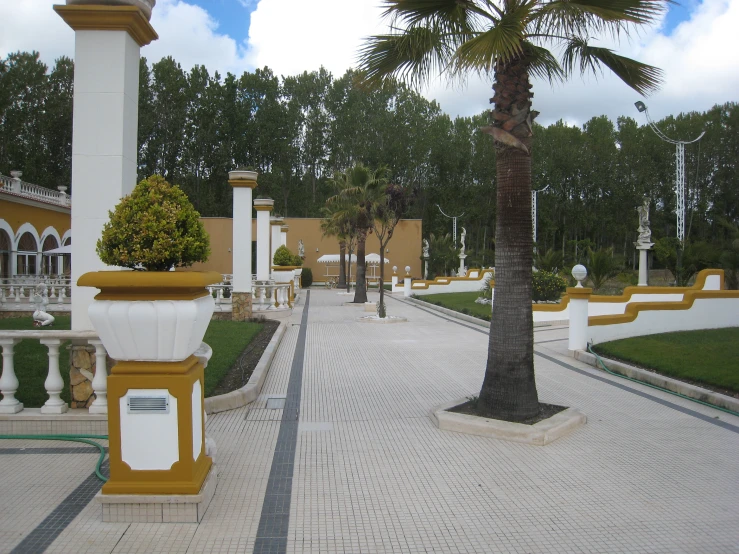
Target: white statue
x,y
645,233
464,235
425,248
40,317
301,248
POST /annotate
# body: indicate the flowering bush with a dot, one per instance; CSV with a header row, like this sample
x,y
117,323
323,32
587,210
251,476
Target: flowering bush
x,y
547,286
155,228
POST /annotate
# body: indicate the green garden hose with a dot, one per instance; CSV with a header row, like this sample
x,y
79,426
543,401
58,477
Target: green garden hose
x,y
600,361
71,438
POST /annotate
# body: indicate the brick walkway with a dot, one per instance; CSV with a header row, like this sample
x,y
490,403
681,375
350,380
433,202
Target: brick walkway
x,y
370,473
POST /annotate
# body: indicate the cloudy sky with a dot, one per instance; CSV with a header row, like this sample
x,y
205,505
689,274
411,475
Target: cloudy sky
x,y
696,44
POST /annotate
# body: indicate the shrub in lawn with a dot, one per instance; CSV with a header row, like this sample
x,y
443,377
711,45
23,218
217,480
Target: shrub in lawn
x,y
547,286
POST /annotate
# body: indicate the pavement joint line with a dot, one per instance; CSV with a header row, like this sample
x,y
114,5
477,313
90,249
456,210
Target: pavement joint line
x,y
69,450
46,532
274,521
677,407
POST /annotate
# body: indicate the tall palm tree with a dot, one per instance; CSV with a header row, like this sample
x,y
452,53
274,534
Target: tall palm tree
x,y
338,221
508,41
361,190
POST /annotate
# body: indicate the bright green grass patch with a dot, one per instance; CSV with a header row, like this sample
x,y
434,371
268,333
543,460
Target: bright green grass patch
x,y
463,302
710,356
227,339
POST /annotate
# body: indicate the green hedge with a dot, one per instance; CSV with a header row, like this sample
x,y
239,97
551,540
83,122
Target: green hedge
x,y
306,278
546,286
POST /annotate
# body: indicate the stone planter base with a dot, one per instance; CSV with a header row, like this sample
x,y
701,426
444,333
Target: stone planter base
x,y
241,306
175,508
539,434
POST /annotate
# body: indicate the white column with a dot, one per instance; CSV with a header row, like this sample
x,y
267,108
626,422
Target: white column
x,y
263,206
243,182
643,265
579,297
54,383
108,39
407,282
276,238
100,381
283,235
8,381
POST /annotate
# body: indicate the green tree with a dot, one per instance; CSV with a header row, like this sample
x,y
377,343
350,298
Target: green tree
x,y
508,40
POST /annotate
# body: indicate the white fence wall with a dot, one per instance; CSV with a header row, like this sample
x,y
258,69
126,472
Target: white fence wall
x,y
471,282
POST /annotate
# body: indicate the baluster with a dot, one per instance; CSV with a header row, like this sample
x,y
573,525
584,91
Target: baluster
x,y
53,292
100,381
8,381
14,292
60,298
219,295
262,292
54,382
2,295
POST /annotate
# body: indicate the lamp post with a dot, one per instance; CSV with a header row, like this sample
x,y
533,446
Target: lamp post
x,y
454,224
533,210
679,169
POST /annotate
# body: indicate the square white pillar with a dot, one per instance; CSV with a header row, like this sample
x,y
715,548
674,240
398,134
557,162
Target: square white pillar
x,y
283,235
108,41
275,240
263,206
243,182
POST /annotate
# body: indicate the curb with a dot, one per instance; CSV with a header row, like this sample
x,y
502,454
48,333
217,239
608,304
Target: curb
x,y
445,311
686,389
250,391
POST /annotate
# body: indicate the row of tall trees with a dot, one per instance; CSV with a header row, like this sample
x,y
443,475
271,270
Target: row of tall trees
x,y
296,131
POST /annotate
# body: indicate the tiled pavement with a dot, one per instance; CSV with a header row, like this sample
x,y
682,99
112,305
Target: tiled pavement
x,y
372,473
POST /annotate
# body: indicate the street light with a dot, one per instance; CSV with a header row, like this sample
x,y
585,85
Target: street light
x,y
679,169
454,225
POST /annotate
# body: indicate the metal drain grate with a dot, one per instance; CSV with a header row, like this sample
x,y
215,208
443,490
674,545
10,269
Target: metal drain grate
x,y
276,403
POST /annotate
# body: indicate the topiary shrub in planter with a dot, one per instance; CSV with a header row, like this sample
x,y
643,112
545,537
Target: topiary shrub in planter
x,y
284,257
306,278
547,287
155,228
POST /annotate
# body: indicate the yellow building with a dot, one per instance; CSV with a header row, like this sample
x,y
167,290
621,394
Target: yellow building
x,y
33,221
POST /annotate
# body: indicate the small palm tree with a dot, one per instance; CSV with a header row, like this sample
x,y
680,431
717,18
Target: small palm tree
x,y
602,265
508,41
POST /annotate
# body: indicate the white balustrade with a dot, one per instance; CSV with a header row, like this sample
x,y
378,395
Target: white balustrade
x,y
35,192
54,383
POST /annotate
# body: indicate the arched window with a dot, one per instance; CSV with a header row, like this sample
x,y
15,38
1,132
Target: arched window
x,y
6,247
50,265
27,251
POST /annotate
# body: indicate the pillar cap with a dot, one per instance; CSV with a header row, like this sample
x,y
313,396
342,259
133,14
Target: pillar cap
x,y
275,220
144,5
284,228
242,178
90,17
264,204
579,292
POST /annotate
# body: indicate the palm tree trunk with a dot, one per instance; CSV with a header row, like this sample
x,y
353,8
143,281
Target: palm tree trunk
x,y
509,388
360,291
342,263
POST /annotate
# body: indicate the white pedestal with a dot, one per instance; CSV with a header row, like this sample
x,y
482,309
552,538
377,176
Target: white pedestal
x,y
242,183
643,248
462,268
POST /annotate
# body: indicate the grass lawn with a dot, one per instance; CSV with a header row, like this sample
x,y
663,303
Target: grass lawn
x,y
227,339
710,356
463,302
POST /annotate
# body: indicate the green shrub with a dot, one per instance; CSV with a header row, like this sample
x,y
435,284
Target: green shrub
x,y
283,256
306,278
547,286
154,228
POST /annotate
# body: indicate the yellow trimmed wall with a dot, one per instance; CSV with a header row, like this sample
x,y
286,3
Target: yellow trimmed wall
x,y
404,248
17,214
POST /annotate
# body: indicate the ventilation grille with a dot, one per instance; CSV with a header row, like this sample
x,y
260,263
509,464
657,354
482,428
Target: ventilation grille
x,y
148,405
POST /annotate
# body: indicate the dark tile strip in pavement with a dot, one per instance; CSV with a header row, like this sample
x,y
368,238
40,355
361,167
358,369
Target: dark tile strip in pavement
x,y
681,409
46,532
71,450
275,518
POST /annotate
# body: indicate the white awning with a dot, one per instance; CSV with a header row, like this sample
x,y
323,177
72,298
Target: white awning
x,y
67,249
334,259
374,259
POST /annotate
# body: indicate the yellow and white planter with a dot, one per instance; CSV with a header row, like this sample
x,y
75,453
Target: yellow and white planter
x,y
285,274
152,323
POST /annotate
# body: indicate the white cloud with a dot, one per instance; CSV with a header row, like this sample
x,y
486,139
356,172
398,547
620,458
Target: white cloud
x,y
33,25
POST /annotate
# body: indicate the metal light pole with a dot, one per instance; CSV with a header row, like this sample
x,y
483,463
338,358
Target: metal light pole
x,y
533,210
454,224
679,169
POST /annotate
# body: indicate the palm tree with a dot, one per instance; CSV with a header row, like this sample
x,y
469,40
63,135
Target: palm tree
x,y
361,190
338,221
508,41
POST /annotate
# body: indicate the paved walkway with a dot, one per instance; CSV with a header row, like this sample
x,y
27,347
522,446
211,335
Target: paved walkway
x,y
354,464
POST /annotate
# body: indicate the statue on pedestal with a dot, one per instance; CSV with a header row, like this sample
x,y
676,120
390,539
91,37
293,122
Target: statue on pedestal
x,y
301,248
425,248
461,239
645,233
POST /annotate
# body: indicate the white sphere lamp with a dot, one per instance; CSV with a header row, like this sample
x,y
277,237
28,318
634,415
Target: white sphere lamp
x,y
579,273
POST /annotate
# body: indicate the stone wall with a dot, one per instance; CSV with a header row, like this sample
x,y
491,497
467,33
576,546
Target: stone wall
x,y
81,373
241,306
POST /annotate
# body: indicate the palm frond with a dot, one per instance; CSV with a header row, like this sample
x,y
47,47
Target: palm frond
x,y
502,41
451,15
643,78
582,17
543,63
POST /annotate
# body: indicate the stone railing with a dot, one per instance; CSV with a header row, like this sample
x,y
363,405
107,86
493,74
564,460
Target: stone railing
x,y
21,289
268,295
54,383
14,185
